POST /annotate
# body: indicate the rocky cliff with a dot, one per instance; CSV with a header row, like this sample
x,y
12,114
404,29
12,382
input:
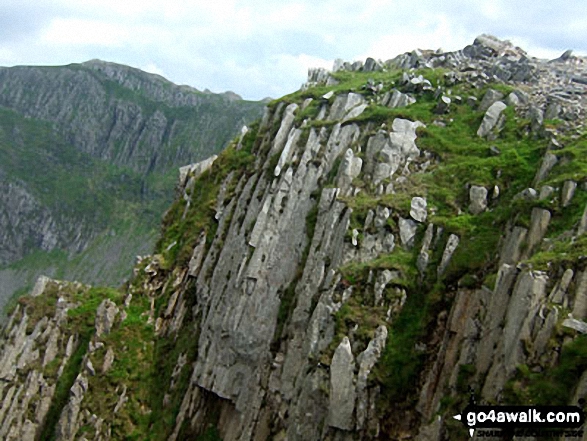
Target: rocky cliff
x,y
383,243
88,149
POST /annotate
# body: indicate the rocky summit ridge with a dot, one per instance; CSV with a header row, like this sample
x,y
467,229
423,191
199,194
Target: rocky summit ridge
x,y
384,243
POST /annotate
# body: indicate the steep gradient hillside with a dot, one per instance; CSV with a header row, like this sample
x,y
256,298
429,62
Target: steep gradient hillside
x,y
88,157
382,244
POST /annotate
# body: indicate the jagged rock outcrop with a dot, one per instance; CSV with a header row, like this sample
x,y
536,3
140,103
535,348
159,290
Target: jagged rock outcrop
x,y
36,348
277,303
342,390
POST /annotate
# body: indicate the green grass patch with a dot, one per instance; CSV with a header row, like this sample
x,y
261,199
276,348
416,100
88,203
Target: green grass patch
x,y
400,364
179,232
83,317
166,353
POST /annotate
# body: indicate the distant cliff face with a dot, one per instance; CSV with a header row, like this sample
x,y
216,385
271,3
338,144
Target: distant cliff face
x,y
382,244
123,115
87,149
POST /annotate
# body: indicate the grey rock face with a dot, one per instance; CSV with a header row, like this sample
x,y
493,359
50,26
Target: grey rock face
x,y
25,219
355,234
403,137
26,386
528,292
285,156
317,75
284,129
529,194
511,251
371,65
396,99
546,191
478,199
40,286
418,209
342,389
264,296
512,100
105,317
68,422
366,361
108,360
538,224
197,256
536,118
491,118
451,246
582,228
577,325
548,162
385,153
568,192
193,171
350,168
559,292
552,111
580,303
381,216
344,104
490,98
92,117
407,231
423,257
381,282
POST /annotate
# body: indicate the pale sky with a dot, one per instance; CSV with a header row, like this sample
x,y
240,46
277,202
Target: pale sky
x,y
263,48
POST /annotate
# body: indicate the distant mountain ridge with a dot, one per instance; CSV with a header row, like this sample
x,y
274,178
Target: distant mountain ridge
x,y
87,150
113,111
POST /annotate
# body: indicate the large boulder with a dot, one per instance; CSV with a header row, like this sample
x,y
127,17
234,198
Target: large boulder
x,y
418,209
478,199
491,96
491,118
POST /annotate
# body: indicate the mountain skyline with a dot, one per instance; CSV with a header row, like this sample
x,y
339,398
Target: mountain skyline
x,y
259,48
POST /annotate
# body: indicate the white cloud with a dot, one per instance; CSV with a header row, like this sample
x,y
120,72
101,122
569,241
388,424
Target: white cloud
x,y
153,68
261,47
492,9
437,32
288,15
6,56
81,32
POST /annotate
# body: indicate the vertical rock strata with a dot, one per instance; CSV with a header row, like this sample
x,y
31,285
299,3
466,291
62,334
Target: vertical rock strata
x,y
338,273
